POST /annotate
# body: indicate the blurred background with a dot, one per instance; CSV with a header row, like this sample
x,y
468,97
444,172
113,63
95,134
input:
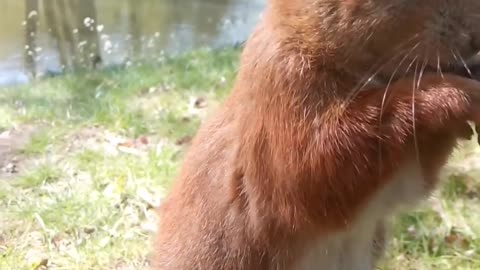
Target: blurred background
x,y
44,37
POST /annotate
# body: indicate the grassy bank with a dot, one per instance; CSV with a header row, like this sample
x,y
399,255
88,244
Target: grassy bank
x,y
85,158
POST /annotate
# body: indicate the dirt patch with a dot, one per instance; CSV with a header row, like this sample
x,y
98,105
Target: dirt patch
x,y
11,141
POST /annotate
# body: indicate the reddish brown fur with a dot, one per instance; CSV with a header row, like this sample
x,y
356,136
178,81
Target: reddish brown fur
x,y
296,153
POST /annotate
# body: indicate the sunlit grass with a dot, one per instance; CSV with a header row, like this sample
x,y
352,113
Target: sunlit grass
x,y
81,201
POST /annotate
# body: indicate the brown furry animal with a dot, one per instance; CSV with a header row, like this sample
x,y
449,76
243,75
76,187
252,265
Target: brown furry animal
x,y
342,111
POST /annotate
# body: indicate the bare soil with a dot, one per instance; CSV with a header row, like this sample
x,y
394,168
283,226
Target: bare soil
x,y
11,142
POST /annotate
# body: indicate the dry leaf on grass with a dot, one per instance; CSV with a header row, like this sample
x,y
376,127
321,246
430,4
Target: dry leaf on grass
x,y
455,238
36,260
200,103
135,147
184,140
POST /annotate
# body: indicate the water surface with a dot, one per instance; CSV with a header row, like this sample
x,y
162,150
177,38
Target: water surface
x,y
50,36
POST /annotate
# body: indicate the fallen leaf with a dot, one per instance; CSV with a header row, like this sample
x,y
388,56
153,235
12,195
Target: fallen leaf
x,y
455,238
36,260
184,140
451,238
42,264
200,103
142,140
129,144
89,230
61,241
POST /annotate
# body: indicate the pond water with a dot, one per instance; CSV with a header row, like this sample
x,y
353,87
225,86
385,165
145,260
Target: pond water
x,y
39,37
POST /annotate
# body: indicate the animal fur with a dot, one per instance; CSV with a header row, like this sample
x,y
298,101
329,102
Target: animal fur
x,y
339,115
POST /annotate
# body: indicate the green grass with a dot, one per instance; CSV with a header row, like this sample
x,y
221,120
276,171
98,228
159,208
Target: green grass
x,y
445,232
40,176
79,201
38,144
